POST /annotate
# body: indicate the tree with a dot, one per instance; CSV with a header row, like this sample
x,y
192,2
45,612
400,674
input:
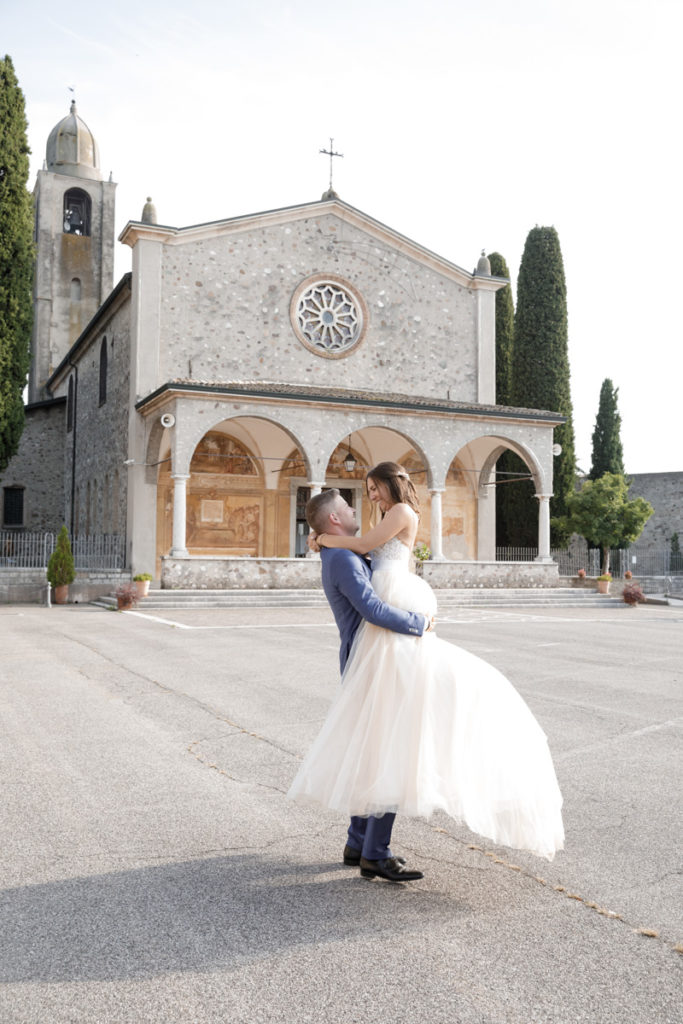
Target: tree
x,y
505,330
508,463
608,454
540,370
16,261
601,510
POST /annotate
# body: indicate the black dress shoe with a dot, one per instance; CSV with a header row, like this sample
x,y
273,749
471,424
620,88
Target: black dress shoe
x,y
392,869
352,857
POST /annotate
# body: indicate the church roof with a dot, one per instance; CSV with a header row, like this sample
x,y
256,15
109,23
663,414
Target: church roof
x,y
72,149
349,396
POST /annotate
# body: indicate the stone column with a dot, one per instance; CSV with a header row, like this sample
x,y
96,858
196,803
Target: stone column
x,y
178,549
543,528
436,525
486,524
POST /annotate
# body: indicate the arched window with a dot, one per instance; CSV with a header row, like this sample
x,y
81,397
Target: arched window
x,y
103,371
75,289
70,405
77,208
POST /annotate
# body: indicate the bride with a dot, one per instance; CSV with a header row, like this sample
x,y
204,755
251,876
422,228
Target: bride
x,y
421,725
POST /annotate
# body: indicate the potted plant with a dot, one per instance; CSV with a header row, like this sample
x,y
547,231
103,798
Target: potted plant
x,y
603,582
633,595
422,553
142,581
60,567
582,575
628,575
126,596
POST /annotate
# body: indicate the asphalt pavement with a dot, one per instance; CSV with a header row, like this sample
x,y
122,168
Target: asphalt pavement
x,y
152,869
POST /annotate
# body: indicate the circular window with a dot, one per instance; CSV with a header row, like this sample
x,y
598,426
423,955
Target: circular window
x,y
327,316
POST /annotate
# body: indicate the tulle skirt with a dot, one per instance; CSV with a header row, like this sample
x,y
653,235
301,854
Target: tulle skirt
x,y
420,725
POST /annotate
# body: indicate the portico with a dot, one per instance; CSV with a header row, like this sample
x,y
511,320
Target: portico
x,y
230,476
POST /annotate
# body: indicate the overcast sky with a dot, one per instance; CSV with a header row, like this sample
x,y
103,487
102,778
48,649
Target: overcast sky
x,y
462,125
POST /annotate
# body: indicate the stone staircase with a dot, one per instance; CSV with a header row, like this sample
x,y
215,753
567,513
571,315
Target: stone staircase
x,y
448,600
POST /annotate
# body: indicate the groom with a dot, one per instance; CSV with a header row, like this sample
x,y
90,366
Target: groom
x,y
347,586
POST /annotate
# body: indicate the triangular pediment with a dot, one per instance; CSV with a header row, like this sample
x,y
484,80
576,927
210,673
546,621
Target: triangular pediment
x,y
332,208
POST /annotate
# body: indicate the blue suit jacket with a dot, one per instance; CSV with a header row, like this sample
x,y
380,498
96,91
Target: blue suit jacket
x,y
347,586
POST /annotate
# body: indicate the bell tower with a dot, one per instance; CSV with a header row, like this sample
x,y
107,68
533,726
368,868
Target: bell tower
x,y
74,236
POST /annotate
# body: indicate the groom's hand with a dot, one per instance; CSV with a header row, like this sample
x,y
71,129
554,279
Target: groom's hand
x,y
431,624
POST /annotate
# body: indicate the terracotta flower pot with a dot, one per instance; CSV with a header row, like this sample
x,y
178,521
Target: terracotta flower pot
x,y
603,586
142,587
62,594
124,603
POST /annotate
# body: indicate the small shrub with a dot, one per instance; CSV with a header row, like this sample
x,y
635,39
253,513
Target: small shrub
x,y
422,552
126,594
142,576
60,567
606,577
633,594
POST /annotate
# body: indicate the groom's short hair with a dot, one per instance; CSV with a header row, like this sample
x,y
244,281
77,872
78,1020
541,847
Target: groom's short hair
x,y
318,509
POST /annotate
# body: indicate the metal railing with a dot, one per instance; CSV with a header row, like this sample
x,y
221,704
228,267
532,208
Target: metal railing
x,y
640,561
25,550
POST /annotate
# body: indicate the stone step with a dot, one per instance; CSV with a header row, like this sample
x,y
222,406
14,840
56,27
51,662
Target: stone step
x,y
558,597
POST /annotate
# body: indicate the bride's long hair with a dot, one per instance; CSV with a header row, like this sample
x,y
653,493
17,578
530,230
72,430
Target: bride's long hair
x,y
397,482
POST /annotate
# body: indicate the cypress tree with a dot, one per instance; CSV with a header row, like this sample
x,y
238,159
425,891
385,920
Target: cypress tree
x,y
540,371
16,261
608,454
505,330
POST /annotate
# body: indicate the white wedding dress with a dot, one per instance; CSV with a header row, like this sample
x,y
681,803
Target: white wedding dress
x,y
420,725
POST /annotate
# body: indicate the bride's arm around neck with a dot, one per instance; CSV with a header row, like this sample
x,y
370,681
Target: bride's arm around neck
x,y
399,520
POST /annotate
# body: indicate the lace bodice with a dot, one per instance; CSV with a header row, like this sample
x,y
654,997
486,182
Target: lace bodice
x,y
390,556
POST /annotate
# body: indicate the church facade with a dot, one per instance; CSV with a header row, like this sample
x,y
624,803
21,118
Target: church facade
x,y
244,364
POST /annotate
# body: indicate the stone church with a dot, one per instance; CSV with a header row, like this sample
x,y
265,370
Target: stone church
x,y
242,365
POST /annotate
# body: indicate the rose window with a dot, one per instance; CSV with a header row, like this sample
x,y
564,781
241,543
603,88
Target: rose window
x,y
327,317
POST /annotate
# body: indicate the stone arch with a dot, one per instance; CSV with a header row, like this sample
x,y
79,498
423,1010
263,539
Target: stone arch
x,y
192,435
234,505
378,453
526,455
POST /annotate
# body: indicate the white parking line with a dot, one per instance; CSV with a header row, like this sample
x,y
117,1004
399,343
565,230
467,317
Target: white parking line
x,y
263,625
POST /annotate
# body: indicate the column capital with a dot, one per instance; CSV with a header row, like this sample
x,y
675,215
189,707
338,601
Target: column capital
x,y
180,476
543,497
436,490
314,483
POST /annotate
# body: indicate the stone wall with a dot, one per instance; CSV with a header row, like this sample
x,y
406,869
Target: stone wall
x,y
29,586
471,575
664,491
38,467
225,312
101,432
197,573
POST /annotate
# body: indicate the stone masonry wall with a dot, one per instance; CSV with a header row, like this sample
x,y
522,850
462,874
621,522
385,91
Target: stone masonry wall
x,y
29,586
206,573
38,466
664,491
102,433
226,302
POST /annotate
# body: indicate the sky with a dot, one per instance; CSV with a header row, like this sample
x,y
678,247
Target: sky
x,y
462,126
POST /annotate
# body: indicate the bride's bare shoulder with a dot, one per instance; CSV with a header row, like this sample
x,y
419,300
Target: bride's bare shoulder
x,y
404,510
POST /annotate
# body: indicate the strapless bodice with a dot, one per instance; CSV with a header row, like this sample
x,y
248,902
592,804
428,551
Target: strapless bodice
x,y
391,556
